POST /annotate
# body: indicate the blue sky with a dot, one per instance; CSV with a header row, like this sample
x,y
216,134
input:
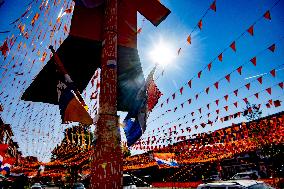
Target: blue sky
x,y
219,30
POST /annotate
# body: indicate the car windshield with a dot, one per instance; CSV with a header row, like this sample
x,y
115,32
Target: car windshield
x,y
242,175
78,185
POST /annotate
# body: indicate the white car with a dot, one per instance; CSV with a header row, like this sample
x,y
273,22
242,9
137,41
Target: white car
x,y
128,182
235,184
78,185
36,186
246,175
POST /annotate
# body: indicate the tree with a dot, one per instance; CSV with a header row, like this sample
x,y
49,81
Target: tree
x,y
252,112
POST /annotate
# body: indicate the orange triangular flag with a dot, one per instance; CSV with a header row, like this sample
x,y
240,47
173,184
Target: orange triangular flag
x,y
233,46
253,60
199,74
269,90
281,85
189,39
259,80
226,97
220,57
256,95
250,30
200,24
272,48
216,85
207,90
267,15
236,92
209,66
272,72
236,104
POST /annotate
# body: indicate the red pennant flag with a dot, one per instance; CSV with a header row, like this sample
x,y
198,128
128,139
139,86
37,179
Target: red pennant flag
x,y
180,90
273,73
220,57
226,108
213,6
199,74
272,48
256,95
189,39
209,66
236,92
259,80
267,15
240,70
200,24
248,86
217,111
277,103
208,114
253,60
189,83
226,97
174,96
162,105
245,100
216,85
250,30
189,101
269,90
4,48
233,46
217,102
192,113
270,102
208,106
281,85
196,96
236,104
182,105
207,90
168,100
199,110
228,77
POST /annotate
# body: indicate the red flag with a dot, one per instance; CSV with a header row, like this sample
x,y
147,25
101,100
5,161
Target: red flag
x,y
216,84
250,30
4,48
267,15
199,110
207,90
270,101
240,70
208,106
200,24
192,113
269,90
226,108
256,95
236,92
189,101
281,85
228,77
272,72
245,100
217,111
180,90
259,80
189,39
189,83
277,103
209,66
220,57
213,6
272,48
233,46
196,96
253,60
153,93
199,74
248,86
168,100
236,104
182,105
217,102
226,97
174,96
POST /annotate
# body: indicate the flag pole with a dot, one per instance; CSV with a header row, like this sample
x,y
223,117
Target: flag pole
x,y
107,164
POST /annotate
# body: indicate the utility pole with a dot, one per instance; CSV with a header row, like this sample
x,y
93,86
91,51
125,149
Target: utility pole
x,y
107,165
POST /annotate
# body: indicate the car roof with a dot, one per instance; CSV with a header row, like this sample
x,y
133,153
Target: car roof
x,y
245,183
247,172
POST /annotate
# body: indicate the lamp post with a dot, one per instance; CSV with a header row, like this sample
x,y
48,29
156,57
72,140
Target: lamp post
x,y
106,170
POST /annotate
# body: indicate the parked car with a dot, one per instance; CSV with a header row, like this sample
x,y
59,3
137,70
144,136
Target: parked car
x,y
235,184
212,178
36,186
128,182
78,185
246,175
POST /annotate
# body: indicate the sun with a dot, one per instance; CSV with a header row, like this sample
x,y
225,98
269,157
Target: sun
x,y
163,53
